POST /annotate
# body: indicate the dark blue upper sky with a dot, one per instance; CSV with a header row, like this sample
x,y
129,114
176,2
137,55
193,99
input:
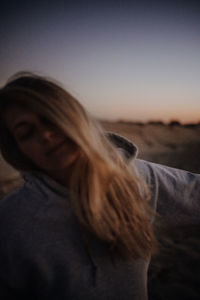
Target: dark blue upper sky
x,y
122,59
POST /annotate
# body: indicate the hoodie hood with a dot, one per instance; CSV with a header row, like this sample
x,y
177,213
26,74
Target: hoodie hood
x,y
128,148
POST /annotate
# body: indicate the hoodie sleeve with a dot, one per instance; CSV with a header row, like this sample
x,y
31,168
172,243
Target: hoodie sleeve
x,y
175,194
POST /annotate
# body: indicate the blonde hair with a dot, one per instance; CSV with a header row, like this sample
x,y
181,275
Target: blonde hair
x,y
106,192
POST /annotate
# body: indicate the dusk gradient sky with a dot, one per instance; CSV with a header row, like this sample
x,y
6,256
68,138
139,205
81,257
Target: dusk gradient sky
x,y
134,60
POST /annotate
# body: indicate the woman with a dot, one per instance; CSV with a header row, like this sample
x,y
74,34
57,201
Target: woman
x,y
81,225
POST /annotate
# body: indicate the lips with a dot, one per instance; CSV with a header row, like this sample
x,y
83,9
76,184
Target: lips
x,y
55,148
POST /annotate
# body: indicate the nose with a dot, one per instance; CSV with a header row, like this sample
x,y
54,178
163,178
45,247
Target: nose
x,y
47,135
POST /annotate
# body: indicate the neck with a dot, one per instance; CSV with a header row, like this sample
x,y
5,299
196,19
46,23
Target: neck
x,y
62,176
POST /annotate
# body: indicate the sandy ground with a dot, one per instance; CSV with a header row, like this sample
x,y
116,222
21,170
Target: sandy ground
x,y
174,273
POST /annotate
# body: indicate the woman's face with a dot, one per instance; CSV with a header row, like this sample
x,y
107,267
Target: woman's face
x,y
41,141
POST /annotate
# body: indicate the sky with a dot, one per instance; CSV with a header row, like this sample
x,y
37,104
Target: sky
x,y
123,60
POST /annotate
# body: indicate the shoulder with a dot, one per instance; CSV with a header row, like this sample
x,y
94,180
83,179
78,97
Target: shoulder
x,y
32,215
22,201
39,237
31,223
16,212
11,203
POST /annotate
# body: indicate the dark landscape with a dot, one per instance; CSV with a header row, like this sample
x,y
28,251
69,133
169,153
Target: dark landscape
x,y
174,272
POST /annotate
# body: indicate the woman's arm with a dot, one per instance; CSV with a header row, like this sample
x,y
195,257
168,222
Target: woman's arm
x,y
175,193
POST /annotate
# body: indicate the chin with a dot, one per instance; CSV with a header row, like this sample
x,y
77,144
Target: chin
x,y
61,164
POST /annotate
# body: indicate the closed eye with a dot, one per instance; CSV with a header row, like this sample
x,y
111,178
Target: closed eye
x,y
24,134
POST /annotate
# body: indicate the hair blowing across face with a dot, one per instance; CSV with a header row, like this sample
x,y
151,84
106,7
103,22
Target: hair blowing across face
x,y
105,192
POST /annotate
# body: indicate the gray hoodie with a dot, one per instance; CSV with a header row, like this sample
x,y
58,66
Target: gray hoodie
x,y
42,252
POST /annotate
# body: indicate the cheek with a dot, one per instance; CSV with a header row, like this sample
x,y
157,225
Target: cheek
x,y
72,156
63,160
30,150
